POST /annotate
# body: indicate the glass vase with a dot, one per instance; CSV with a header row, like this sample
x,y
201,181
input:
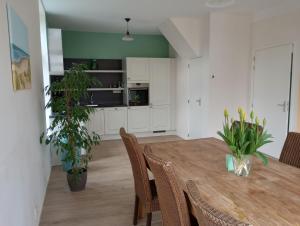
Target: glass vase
x,y
242,166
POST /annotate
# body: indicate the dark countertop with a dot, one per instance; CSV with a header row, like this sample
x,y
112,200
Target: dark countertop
x,y
106,106
109,105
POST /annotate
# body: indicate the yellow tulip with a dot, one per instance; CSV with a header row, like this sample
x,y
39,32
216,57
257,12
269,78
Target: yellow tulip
x,y
244,116
264,122
257,121
226,114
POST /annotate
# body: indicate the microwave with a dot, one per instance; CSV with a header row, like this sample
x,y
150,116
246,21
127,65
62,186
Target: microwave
x,y
138,94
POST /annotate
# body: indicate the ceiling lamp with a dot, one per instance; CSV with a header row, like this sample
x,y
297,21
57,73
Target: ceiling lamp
x,y
219,3
127,37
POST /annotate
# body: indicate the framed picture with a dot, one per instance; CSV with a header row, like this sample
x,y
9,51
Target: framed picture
x,y
19,51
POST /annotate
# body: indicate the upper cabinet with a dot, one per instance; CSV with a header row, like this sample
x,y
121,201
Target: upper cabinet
x,y
137,70
56,60
159,69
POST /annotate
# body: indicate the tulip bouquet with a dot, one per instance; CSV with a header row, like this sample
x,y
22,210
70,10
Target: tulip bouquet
x,y
245,138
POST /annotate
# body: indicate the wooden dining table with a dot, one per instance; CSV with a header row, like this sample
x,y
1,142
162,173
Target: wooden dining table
x,y
270,195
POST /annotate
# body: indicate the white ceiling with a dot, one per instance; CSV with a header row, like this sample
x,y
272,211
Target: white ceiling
x,y
147,15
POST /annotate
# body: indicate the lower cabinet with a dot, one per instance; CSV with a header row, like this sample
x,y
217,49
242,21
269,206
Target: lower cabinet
x,y
138,119
115,118
160,118
96,122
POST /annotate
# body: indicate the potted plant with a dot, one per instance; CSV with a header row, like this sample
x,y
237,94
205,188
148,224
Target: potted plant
x,y
67,131
244,140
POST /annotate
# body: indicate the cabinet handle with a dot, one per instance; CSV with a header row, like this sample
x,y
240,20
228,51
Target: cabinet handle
x,y
150,105
128,108
116,109
128,78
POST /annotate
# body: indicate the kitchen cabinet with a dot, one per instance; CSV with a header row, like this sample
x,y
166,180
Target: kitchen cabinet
x,y
56,61
160,117
138,119
137,70
115,118
159,81
96,122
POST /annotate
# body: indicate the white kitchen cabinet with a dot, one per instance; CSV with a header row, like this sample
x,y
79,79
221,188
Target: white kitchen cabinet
x,y
56,60
160,117
159,81
138,119
137,70
96,122
115,118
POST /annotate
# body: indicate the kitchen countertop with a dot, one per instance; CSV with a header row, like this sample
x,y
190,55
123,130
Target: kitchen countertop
x,y
106,106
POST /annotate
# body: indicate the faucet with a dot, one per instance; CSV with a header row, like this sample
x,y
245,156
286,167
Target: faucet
x,y
91,99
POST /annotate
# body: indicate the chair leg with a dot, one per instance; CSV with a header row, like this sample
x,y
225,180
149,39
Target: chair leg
x,y
136,209
149,219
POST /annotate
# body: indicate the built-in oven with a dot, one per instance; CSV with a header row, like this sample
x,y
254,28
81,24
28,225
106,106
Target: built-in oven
x,y
138,94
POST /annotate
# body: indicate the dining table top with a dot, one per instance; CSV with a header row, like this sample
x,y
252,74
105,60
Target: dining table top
x,y
270,195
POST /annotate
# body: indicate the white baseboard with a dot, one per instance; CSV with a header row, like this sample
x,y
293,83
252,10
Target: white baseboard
x,y
146,134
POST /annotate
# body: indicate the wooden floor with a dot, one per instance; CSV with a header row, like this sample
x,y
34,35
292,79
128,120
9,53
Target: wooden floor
x,y
109,196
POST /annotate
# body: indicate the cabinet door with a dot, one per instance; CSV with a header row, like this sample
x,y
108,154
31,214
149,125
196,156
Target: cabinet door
x,y
138,119
56,61
115,118
137,69
96,122
160,81
160,118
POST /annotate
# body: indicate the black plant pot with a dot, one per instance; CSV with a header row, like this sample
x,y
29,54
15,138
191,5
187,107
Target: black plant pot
x,y
77,181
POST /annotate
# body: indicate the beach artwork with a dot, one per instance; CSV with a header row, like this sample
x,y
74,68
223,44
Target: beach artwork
x,y
19,51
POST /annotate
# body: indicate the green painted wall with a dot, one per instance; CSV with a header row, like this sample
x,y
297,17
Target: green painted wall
x,y
110,46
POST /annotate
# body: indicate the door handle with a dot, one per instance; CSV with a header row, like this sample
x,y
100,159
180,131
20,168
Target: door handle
x,y
284,105
199,101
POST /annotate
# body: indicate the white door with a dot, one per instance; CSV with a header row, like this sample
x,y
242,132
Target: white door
x,y
271,93
137,70
159,81
160,118
138,119
115,118
96,122
198,99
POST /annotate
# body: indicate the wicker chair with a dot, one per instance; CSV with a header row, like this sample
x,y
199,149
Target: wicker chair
x,y
207,215
291,150
171,198
145,189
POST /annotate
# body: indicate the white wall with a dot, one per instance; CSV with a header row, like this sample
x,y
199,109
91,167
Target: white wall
x,y
186,35
282,29
200,45
24,164
230,60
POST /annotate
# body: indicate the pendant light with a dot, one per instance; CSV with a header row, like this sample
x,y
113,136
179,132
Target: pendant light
x,y
127,37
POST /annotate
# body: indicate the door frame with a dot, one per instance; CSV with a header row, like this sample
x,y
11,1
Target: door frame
x,y
294,89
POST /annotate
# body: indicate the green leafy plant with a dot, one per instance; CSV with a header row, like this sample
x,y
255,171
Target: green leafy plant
x,y
67,131
245,138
